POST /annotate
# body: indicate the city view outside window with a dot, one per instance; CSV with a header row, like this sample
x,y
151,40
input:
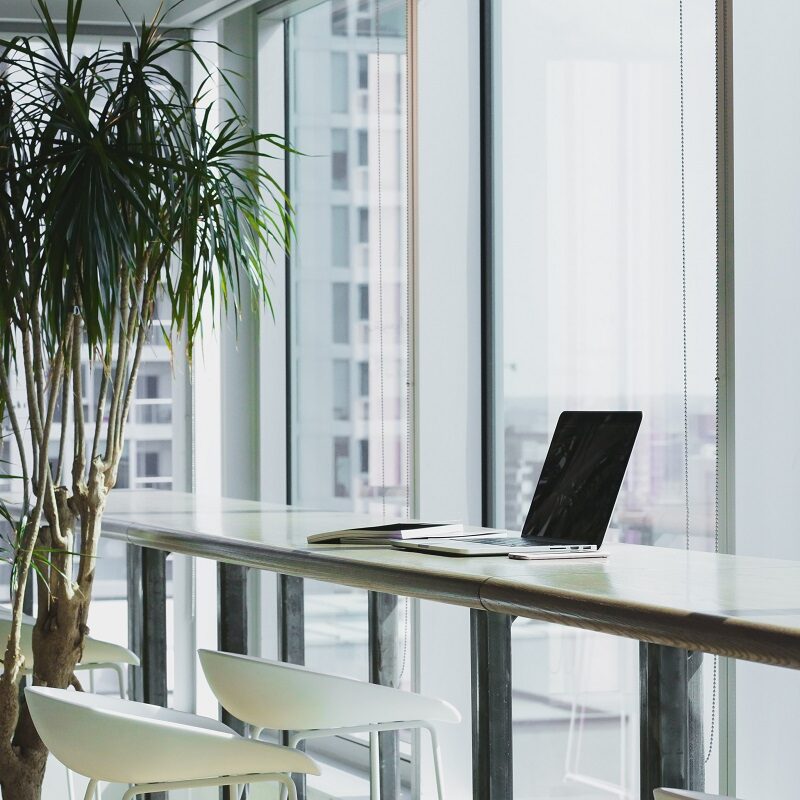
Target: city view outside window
x,y
590,316
349,290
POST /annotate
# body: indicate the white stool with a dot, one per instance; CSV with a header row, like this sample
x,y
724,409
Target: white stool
x,y
683,794
97,655
152,748
312,705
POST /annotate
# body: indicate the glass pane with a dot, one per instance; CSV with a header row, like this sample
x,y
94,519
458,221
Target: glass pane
x,y
340,86
349,295
338,319
590,316
767,241
340,236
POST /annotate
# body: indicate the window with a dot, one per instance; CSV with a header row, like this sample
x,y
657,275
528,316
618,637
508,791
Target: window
x,y
148,386
766,112
330,451
341,313
341,389
363,302
340,236
339,158
363,71
341,467
340,85
589,315
363,225
338,12
363,148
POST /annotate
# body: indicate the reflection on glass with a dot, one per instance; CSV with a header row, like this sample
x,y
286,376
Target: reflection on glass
x,y
588,195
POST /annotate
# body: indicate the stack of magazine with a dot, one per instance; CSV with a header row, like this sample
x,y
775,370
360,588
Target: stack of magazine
x,y
393,532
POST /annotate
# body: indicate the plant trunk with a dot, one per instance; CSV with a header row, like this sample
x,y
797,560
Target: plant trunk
x,y
24,780
58,639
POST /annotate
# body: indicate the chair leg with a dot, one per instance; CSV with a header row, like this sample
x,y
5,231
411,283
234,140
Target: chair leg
x,y
437,762
288,789
120,670
70,787
90,790
291,789
374,767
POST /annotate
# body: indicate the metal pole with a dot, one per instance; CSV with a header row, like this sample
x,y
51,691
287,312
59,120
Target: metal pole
x,y
292,642
148,625
231,630
384,668
154,626
232,619
135,620
671,719
492,754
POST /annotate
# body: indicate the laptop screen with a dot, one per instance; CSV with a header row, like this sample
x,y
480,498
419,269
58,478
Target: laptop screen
x,y
582,475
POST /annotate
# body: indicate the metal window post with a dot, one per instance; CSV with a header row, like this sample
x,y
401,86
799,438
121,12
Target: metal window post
x,y
671,721
231,629
147,627
492,752
384,668
292,642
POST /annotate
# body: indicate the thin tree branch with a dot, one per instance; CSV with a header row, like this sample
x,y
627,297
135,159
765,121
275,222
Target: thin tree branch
x,y
101,402
30,386
59,473
145,316
15,427
33,407
79,445
38,360
121,365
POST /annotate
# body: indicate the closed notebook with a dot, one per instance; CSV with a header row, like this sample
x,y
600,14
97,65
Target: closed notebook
x,y
392,532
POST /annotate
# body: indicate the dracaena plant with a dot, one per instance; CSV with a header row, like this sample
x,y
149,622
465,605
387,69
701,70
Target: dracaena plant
x,y
116,188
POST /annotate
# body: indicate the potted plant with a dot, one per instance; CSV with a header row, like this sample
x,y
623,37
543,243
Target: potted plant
x,y
115,189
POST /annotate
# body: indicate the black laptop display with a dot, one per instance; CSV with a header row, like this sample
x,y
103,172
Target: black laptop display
x,y
582,475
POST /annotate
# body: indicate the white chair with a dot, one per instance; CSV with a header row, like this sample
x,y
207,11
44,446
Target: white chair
x,y
153,749
96,653
312,705
683,794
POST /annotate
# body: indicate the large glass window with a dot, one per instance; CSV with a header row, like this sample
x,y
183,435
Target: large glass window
x,y
594,267
766,183
349,446
365,224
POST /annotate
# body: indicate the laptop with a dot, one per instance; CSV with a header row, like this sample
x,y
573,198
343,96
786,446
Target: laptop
x,y
574,498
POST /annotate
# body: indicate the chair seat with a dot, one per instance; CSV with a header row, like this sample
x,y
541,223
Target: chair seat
x,y
95,651
120,741
683,794
279,696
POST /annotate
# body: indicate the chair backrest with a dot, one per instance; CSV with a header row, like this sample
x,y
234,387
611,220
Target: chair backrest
x,y
272,694
95,651
119,740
